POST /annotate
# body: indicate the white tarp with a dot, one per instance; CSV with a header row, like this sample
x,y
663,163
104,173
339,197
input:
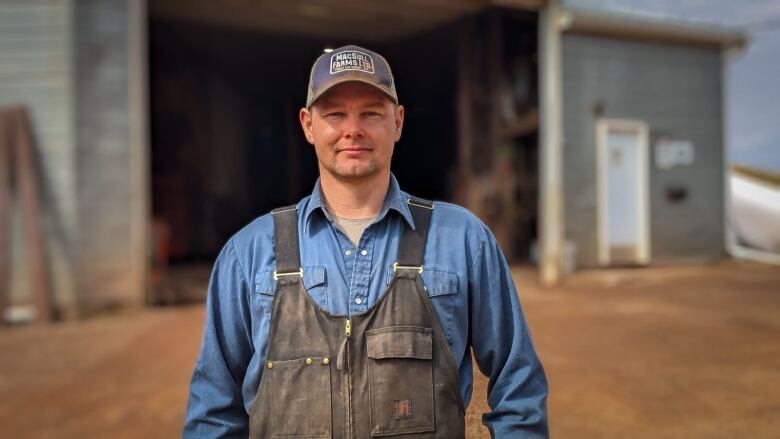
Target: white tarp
x,y
755,211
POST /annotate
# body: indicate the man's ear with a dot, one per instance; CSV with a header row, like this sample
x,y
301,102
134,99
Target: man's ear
x,y
305,117
399,121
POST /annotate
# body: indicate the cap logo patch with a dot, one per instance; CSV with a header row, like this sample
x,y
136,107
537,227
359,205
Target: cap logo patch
x,y
351,60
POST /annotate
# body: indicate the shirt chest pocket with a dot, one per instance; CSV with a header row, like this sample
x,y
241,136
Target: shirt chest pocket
x,y
442,287
314,280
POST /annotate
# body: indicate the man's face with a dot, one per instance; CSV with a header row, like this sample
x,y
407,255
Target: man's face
x,y
353,128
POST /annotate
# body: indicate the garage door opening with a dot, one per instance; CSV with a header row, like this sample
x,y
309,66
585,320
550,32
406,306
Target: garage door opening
x,y
226,146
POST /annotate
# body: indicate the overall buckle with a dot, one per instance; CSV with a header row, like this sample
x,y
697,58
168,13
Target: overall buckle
x,y
289,273
407,267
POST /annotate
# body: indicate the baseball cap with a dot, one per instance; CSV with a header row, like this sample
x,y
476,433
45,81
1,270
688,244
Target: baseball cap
x,y
350,63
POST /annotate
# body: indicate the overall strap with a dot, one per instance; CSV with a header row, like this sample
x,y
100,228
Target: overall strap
x,y
412,245
288,256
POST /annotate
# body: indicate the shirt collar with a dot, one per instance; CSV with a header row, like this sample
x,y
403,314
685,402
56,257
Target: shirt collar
x,y
395,200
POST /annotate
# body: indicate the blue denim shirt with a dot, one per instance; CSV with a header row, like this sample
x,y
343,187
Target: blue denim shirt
x,y
465,274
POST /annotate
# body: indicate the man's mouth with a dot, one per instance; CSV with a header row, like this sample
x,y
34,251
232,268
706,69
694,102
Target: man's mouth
x,y
354,149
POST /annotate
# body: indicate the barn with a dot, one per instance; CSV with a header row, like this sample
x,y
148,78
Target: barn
x,y
582,138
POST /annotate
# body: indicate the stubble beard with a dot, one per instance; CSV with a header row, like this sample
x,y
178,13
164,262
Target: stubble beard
x,y
357,171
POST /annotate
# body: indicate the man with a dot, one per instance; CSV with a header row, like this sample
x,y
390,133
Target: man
x,y
351,313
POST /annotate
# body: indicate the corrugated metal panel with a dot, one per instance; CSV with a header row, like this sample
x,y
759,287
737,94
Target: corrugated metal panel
x,y
105,198
677,91
35,71
67,62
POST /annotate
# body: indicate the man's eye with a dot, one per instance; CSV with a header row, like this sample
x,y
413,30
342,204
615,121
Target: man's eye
x,y
334,114
372,114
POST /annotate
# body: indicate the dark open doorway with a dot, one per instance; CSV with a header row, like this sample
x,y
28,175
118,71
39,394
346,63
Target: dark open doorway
x,y
226,144
227,147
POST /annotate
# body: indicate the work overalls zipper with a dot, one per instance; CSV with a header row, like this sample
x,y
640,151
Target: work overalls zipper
x,y
348,371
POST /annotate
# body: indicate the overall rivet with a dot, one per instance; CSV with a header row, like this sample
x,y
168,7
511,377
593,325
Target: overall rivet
x,y
308,361
270,365
326,360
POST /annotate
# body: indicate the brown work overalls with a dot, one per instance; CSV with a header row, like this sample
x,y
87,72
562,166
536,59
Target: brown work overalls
x,y
385,372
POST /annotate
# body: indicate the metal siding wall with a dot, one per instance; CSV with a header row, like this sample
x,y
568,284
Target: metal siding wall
x,y
67,62
677,91
104,180
36,71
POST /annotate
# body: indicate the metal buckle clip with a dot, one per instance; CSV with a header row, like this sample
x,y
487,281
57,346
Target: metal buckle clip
x,y
409,201
289,273
407,267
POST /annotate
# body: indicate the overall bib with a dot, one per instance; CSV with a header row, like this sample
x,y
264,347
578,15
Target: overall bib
x,y
385,372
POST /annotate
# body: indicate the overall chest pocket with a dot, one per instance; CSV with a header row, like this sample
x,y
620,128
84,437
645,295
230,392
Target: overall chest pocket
x,y
400,375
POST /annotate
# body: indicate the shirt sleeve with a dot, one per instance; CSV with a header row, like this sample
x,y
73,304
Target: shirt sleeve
x,y
215,407
517,390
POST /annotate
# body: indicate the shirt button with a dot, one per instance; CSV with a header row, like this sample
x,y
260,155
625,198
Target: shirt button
x,y
348,252
363,252
358,301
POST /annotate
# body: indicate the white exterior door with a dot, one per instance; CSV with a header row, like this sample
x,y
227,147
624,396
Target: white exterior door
x,y
622,178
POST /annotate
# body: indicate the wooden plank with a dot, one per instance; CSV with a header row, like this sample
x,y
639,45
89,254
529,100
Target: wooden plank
x,y
5,213
27,178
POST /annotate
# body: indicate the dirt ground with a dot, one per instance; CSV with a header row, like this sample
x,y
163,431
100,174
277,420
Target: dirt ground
x,y
684,352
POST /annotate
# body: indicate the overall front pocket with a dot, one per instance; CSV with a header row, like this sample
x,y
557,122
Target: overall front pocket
x,y
298,404
400,374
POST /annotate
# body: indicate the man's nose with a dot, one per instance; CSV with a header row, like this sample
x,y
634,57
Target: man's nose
x,y
353,127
